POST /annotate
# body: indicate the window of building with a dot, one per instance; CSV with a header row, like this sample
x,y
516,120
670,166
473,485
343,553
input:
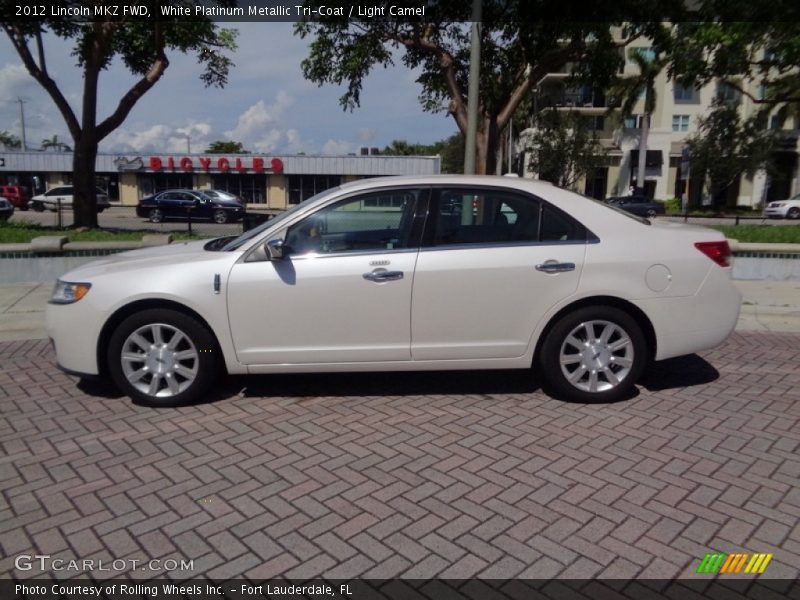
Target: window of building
x,y
302,187
635,122
250,188
680,122
728,93
683,93
776,122
647,53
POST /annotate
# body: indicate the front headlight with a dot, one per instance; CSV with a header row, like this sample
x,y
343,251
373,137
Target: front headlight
x,y
67,293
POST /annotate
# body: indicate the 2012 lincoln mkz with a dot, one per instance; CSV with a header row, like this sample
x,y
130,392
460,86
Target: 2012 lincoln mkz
x,y
404,274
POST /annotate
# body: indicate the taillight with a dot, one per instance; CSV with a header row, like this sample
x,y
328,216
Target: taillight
x,y
719,252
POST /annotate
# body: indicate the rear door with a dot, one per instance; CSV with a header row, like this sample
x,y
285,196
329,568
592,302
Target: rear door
x,y
493,262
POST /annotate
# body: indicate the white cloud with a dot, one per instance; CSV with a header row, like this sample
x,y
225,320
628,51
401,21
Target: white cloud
x,y
338,147
366,135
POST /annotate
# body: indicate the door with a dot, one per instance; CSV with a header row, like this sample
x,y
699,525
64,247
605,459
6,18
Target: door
x,y
491,265
341,294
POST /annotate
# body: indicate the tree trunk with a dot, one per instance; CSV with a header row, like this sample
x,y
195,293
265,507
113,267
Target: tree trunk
x,y
486,151
644,131
84,204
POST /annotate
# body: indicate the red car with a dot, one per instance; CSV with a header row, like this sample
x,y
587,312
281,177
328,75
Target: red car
x,y
18,195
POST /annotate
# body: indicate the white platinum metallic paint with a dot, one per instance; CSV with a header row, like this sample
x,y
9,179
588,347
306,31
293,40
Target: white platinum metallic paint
x,y
454,307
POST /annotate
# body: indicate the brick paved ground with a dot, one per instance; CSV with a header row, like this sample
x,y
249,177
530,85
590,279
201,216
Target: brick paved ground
x,y
451,475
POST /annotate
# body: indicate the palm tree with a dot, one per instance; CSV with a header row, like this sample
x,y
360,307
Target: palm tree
x,y
628,92
54,143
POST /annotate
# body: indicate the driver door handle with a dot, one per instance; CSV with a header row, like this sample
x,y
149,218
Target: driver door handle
x,y
555,267
383,275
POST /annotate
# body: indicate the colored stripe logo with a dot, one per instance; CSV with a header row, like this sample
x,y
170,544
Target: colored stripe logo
x,y
743,562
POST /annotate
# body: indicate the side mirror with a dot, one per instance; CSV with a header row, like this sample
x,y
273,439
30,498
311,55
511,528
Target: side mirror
x,y
275,249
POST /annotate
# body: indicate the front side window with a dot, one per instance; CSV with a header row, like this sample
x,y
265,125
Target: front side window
x,y
371,222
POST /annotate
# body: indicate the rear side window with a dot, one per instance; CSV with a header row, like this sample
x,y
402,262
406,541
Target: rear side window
x,y
489,216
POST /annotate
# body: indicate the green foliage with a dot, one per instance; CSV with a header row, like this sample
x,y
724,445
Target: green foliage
x,y
226,147
451,151
55,144
725,146
767,234
672,206
9,141
521,41
563,147
23,231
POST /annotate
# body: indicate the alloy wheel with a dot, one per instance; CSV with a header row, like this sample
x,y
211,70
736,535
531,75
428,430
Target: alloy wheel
x,y
596,356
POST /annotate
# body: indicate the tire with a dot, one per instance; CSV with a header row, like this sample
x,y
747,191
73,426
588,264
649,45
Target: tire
x,y
162,357
37,206
220,216
563,366
793,213
155,215
651,213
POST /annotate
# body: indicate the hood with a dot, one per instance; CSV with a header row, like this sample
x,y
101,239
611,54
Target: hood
x,y
170,256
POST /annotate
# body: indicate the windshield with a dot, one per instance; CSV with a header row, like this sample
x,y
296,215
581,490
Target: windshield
x,y
249,235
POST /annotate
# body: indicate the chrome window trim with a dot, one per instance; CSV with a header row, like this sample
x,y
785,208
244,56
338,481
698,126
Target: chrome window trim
x,y
486,245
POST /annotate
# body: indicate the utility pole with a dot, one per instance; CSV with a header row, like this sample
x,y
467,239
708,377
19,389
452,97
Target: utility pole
x,y
188,144
473,89
22,120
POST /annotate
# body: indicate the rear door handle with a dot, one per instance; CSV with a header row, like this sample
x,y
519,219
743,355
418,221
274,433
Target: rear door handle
x,y
555,267
383,275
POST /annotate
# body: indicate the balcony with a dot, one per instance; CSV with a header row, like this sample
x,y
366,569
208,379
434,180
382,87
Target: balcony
x,y
587,101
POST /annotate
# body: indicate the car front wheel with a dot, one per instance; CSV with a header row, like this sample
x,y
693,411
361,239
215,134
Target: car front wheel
x,y
220,216
37,206
793,213
156,216
594,354
162,357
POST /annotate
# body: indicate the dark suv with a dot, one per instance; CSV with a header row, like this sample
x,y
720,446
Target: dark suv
x,y
181,204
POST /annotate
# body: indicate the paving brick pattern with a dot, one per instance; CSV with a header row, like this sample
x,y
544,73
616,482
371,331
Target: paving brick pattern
x,y
415,475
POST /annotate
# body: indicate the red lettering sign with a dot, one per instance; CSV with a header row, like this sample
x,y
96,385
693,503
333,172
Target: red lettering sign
x,y
171,163
223,165
239,166
155,163
277,165
258,165
186,164
205,163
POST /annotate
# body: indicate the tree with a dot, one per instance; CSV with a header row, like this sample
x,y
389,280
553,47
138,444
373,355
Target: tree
x,y
9,141
562,147
725,146
628,92
226,147
741,43
521,42
54,143
142,47
451,151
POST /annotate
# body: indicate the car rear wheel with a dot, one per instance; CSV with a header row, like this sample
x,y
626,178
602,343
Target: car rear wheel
x,y
793,213
594,354
651,213
161,357
220,216
156,216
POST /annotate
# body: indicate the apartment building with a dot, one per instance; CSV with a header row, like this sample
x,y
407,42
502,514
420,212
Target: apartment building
x,y
678,111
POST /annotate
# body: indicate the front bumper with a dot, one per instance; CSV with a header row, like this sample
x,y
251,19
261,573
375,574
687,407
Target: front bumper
x,y
74,330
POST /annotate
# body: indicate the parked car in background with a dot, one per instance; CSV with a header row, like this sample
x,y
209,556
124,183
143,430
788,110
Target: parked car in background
x,y
18,195
6,209
387,274
784,209
62,196
180,204
222,195
637,205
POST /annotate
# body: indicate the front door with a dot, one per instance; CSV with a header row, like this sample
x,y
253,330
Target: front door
x,y
492,264
342,294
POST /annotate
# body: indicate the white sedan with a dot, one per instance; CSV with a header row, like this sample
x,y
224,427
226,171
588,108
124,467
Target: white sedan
x,y
403,274
784,209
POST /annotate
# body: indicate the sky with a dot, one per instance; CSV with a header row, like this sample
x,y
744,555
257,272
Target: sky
x,y
267,104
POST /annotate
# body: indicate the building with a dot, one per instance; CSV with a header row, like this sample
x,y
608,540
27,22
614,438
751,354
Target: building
x,y
676,117
267,181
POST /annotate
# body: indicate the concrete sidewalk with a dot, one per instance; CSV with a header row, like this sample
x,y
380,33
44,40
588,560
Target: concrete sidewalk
x,y
766,306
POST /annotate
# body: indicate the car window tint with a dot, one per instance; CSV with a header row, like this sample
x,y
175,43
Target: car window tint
x,y
559,227
376,221
480,216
